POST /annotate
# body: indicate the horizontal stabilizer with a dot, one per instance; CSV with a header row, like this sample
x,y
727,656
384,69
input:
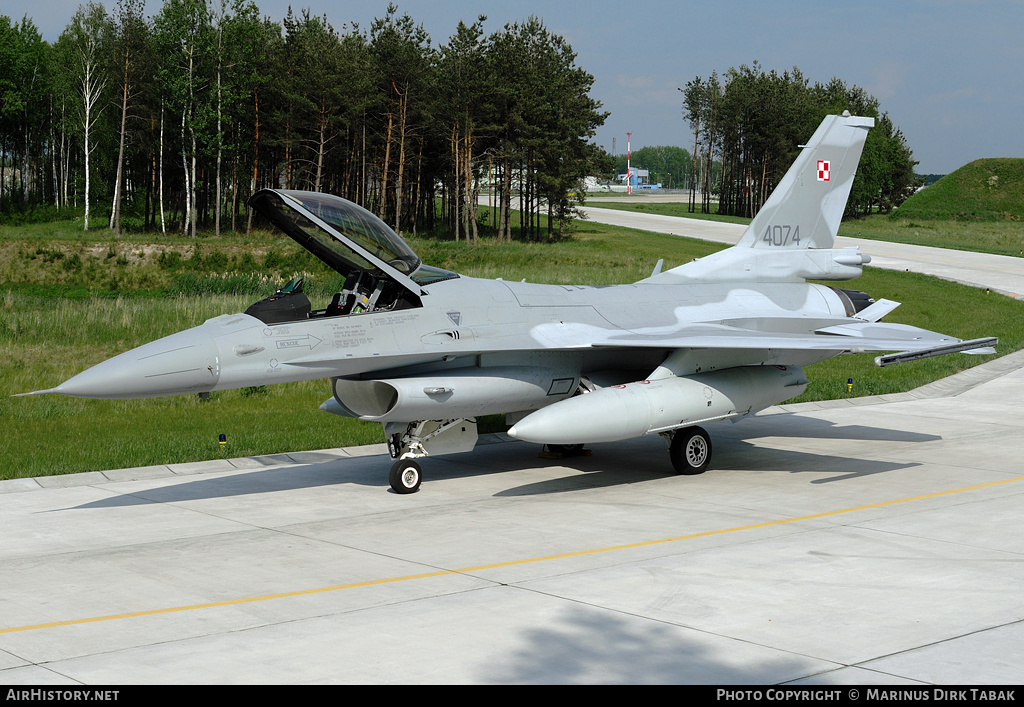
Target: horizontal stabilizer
x,y
877,310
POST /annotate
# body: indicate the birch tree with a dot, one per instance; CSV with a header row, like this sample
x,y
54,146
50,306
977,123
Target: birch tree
x,y
82,44
183,36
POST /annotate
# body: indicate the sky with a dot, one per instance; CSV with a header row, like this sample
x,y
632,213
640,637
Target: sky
x,y
950,73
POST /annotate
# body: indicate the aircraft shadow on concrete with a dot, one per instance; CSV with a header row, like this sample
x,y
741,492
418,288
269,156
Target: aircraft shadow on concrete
x,y
620,463
590,645
792,424
332,471
609,468
609,464
271,480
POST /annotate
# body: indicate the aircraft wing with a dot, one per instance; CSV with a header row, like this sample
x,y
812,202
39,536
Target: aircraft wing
x,y
846,336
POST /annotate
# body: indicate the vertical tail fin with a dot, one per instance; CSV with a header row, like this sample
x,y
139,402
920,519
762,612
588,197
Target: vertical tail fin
x,y
792,237
806,207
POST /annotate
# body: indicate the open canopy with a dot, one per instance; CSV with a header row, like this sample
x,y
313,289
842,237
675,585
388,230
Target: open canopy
x,y
345,236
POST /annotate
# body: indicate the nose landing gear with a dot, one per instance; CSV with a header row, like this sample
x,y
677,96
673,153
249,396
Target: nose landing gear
x,y
405,476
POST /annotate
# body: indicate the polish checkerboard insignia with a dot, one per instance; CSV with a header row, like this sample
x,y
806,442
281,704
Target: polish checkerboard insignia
x,y
823,171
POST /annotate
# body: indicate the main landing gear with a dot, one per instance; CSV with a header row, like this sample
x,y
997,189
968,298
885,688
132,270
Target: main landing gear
x,y
689,449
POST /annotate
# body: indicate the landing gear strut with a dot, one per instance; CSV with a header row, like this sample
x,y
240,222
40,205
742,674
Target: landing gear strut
x,y
690,450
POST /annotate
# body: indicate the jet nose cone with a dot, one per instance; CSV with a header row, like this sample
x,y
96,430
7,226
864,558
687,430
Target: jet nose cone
x,y
186,362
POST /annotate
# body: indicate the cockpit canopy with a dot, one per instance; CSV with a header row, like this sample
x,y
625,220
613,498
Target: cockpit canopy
x,y
346,236
382,273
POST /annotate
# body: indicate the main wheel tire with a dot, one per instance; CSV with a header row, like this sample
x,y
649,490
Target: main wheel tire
x,y
405,476
690,451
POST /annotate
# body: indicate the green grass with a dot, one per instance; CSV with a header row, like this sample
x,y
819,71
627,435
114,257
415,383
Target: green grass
x,y
45,339
150,264
998,237
161,266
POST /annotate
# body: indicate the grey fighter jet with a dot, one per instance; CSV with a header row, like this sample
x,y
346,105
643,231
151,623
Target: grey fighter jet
x,y
425,351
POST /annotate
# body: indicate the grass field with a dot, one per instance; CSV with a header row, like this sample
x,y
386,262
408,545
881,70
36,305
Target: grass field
x,y
46,338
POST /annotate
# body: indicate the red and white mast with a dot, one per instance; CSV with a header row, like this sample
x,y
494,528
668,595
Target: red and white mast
x,y
629,175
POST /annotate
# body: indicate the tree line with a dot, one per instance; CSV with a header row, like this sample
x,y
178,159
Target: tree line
x,y
173,121
749,123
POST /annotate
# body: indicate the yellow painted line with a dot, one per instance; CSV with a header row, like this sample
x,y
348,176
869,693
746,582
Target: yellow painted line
x,y
497,565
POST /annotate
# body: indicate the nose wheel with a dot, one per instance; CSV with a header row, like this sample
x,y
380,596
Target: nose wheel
x,y
405,476
690,451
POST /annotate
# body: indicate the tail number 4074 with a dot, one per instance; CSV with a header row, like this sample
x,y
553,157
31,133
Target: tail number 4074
x,y
782,235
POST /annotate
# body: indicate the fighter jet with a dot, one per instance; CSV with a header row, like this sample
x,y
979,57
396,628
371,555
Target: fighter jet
x,y
425,351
